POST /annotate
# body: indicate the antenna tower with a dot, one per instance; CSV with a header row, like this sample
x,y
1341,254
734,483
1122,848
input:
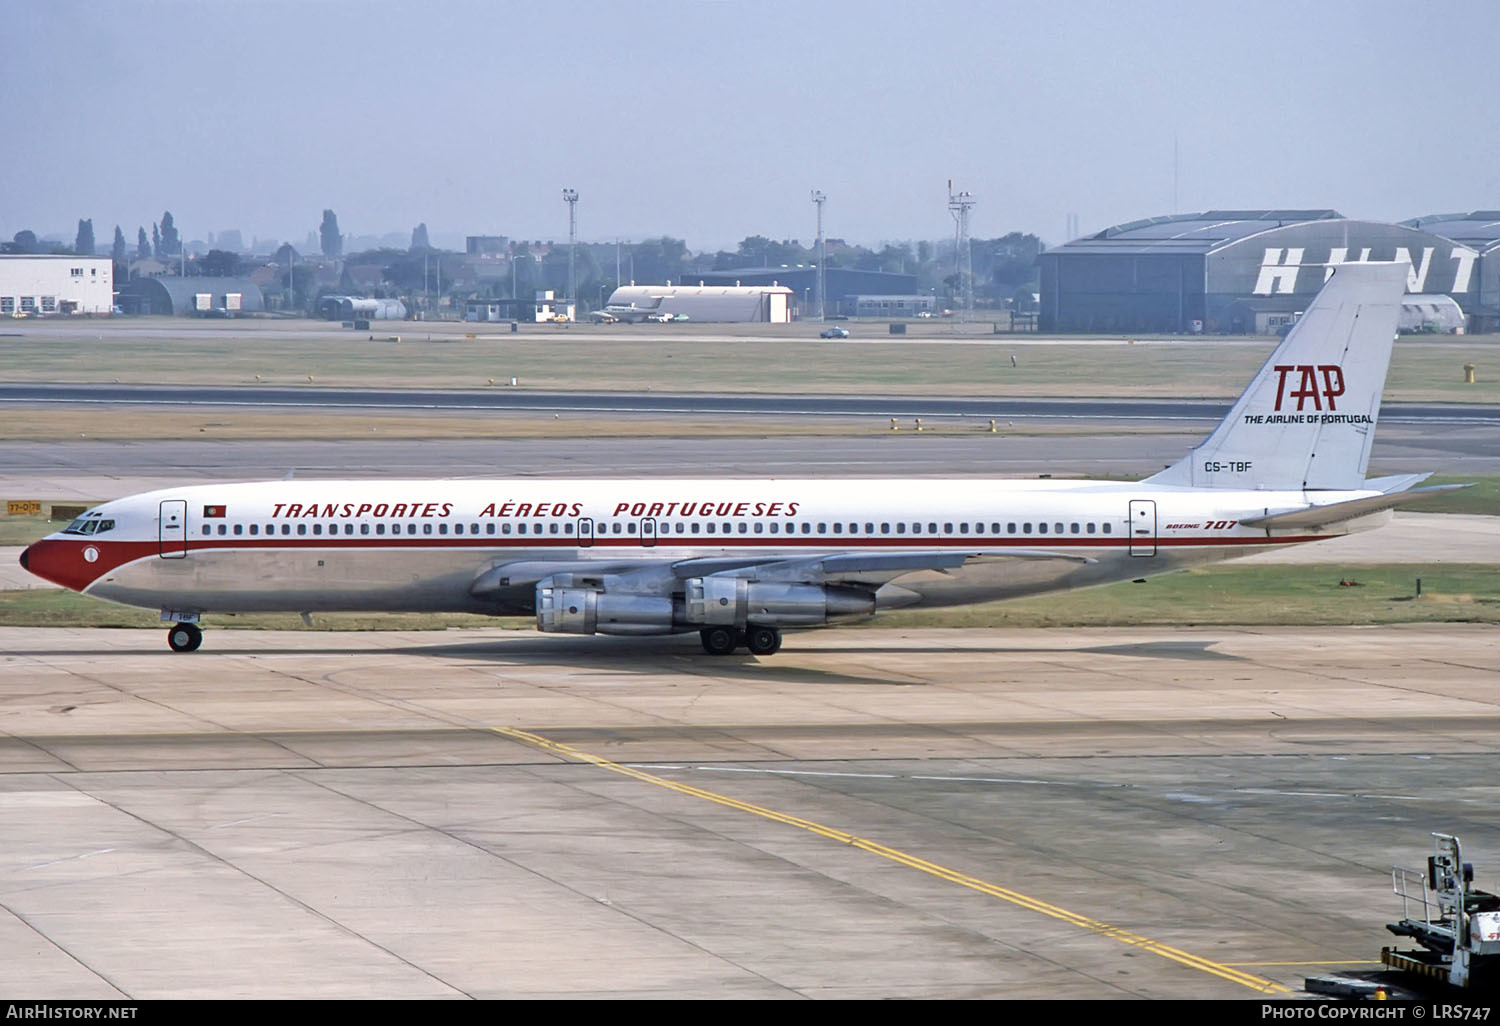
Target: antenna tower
x,y
960,205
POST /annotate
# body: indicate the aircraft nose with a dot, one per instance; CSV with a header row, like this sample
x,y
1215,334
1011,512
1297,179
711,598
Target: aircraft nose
x,y
53,561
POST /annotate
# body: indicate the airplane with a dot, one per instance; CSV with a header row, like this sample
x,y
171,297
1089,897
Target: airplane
x,y
739,561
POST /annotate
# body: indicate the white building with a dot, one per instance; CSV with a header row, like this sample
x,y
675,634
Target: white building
x,y
733,303
36,285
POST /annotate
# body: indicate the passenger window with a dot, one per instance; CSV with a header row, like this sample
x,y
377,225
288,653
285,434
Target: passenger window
x,y
995,529
1106,528
916,528
885,528
775,527
901,527
442,528
426,528
348,528
457,528
727,527
744,527
710,528
286,528
947,528
963,528
208,529
1026,527
695,527
364,528
536,528
239,529
869,529
380,529
806,527
255,529
411,528
301,528
568,527
1075,529
317,528
1011,529
838,528
630,527
1041,528
505,529
1058,528
473,528
520,528
1091,529
759,527
932,528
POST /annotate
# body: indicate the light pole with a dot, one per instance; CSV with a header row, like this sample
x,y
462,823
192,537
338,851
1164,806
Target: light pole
x,y
820,199
570,197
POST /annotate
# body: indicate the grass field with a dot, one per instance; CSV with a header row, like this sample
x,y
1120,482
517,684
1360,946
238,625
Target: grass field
x,y
1427,371
1222,595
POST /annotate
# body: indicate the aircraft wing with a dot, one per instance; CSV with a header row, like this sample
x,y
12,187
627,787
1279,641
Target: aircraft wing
x,y
1337,512
870,569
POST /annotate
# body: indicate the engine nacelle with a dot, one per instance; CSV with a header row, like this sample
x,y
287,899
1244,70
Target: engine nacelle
x,y
589,611
735,601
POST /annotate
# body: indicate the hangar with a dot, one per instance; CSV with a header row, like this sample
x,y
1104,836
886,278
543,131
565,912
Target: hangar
x,y
1233,271
192,297
1480,231
35,285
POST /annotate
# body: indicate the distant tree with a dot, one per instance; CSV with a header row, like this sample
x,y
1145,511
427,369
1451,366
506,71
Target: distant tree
x,y
285,253
25,241
117,251
329,237
83,245
659,260
156,240
1012,260
171,243
142,244
419,238
219,263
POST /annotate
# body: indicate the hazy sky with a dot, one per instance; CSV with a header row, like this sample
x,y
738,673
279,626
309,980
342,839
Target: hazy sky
x,y
710,121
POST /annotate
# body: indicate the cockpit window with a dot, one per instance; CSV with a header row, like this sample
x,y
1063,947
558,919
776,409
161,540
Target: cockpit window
x,y
89,523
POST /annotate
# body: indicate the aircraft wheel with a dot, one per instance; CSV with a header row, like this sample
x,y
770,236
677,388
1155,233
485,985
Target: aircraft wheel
x,y
762,640
184,637
719,641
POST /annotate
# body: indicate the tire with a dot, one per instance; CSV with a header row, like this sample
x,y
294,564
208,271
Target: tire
x,y
719,641
762,640
184,637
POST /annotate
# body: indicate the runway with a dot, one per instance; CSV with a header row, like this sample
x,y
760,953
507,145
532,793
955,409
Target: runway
x,y
1049,814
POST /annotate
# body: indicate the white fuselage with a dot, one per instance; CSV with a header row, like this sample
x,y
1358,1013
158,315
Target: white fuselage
x,y
311,546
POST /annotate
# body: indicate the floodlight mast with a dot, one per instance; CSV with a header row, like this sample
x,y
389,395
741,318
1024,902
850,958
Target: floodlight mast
x,y
960,205
819,198
570,197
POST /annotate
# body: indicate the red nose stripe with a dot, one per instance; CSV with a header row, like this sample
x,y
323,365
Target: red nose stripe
x,y
78,564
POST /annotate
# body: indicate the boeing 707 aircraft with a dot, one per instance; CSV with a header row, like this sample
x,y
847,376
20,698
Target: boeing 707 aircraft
x,y
739,561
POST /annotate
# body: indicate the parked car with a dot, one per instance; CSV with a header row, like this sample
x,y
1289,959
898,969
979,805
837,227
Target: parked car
x,y
834,332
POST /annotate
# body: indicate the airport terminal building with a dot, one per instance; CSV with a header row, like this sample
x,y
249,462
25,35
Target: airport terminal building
x,y
44,285
1254,271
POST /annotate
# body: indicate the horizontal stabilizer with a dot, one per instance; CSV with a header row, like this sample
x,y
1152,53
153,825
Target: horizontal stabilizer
x,y
1337,512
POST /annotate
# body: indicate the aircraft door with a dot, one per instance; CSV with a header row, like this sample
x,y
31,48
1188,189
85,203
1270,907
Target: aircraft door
x,y
648,531
172,533
585,532
1142,527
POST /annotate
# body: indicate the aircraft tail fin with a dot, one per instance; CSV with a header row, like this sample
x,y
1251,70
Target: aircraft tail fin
x,y
1308,418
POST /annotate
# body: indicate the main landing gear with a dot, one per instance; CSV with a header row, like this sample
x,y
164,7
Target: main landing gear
x,y
722,641
184,637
